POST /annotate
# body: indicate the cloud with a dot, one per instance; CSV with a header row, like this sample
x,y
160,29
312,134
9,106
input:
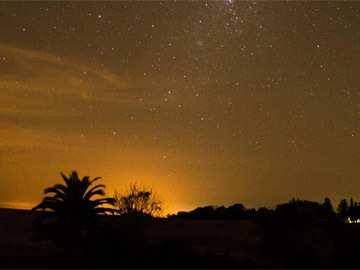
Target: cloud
x,y
50,77
41,90
35,61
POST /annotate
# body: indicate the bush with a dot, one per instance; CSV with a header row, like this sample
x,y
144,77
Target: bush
x,y
138,202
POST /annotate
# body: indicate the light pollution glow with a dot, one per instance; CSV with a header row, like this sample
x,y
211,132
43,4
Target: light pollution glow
x,y
210,103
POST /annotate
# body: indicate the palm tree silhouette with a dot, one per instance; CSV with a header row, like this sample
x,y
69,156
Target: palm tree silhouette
x,y
70,212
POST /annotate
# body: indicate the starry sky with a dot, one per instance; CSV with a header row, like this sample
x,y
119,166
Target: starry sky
x,y
208,102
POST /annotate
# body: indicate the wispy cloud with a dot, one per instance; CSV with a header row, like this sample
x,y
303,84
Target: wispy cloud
x,y
36,61
41,73
38,87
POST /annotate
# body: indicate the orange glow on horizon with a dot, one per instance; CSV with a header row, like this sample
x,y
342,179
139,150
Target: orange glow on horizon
x,y
216,104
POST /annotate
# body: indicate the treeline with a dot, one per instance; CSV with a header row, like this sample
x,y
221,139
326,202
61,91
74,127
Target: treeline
x,y
318,211
236,211
350,213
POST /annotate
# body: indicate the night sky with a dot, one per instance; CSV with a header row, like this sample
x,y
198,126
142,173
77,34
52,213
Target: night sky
x,y
208,102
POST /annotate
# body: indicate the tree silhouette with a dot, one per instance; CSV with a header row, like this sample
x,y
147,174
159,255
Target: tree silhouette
x,y
352,214
356,211
70,213
343,209
327,205
138,202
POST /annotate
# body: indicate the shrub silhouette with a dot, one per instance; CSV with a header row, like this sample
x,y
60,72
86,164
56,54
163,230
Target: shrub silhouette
x,y
70,214
138,202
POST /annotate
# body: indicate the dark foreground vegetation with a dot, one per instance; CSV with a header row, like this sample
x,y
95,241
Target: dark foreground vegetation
x,y
78,231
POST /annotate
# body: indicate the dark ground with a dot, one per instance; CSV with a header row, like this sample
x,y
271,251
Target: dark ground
x,y
189,243
233,240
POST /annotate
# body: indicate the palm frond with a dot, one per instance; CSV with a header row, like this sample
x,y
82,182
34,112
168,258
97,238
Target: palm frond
x,y
67,181
60,192
95,179
89,193
47,204
98,202
74,176
95,192
85,183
